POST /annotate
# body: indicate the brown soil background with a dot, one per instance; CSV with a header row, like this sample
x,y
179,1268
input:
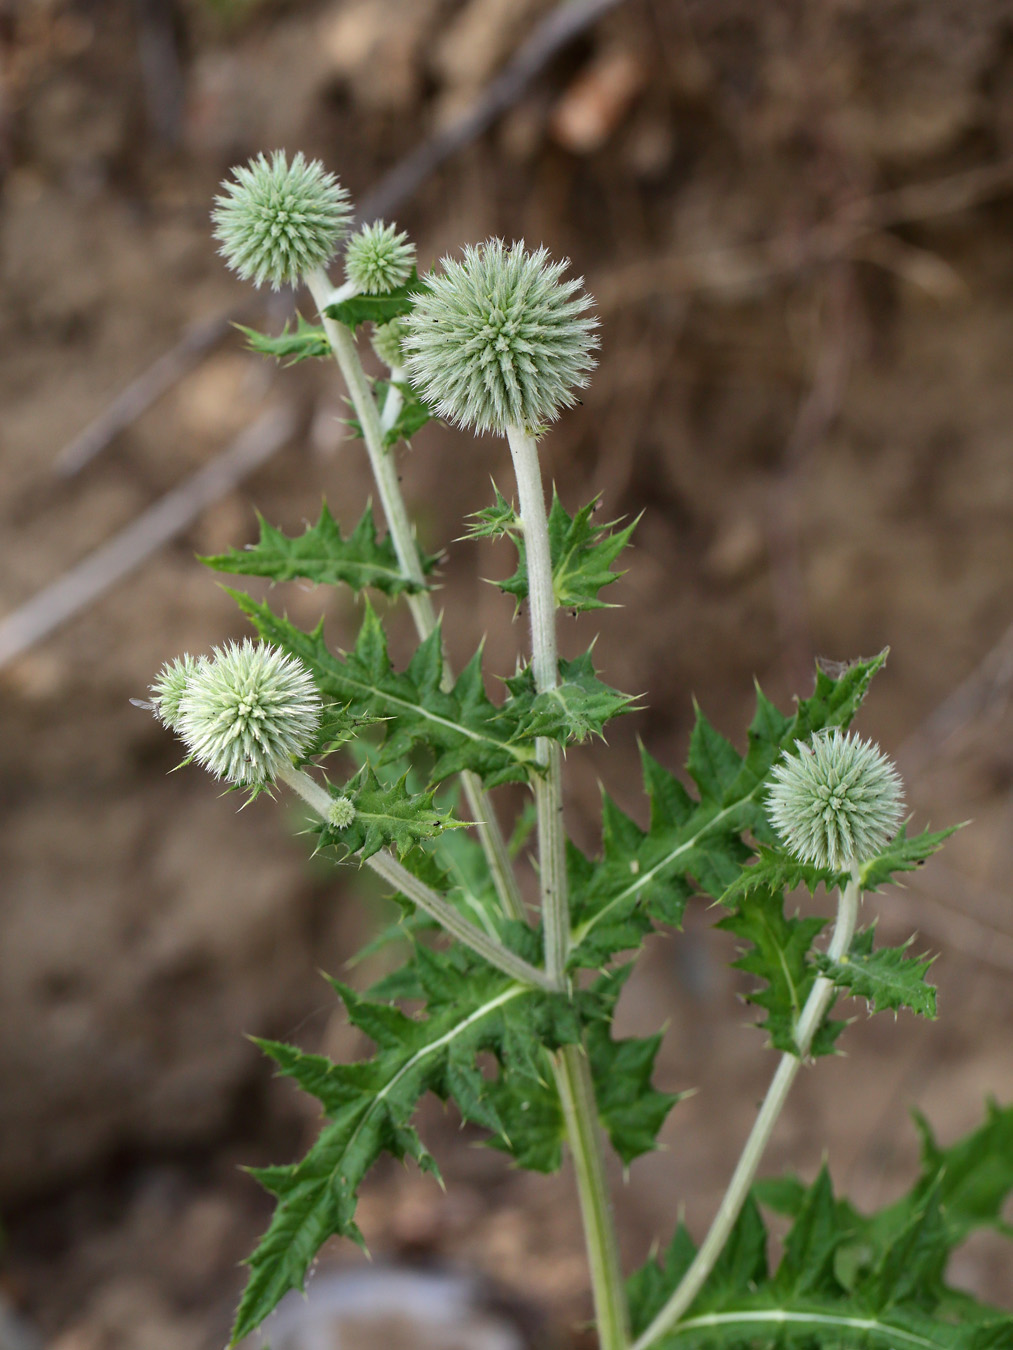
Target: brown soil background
x,y
797,219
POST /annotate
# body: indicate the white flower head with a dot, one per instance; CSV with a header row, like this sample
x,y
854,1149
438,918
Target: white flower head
x,y
277,221
837,801
499,340
379,259
170,686
247,711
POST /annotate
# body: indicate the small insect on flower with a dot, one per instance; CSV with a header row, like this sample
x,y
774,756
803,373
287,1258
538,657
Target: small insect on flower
x,y
499,340
248,711
837,801
278,221
378,259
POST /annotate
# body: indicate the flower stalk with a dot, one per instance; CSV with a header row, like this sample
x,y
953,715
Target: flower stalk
x,y
815,1009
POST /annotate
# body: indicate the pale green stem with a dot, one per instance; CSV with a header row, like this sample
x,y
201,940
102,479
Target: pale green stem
x,y
571,1067
812,1015
545,668
403,538
580,1111
394,401
387,866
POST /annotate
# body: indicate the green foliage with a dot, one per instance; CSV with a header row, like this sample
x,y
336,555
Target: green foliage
x,y
582,552
578,707
322,556
413,415
470,1008
903,855
693,844
888,978
304,342
387,817
846,1280
378,308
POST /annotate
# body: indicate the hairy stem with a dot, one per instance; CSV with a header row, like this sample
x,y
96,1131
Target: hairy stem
x,y
545,667
580,1111
815,1009
387,866
571,1068
403,538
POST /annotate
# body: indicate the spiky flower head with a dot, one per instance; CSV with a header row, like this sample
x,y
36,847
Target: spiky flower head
x,y
836,802
247,711
170,686
386,339
498,340
342,812
277,221
378,258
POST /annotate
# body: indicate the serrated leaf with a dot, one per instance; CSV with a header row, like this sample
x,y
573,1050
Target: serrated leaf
x,y
694,844
378,308
888,978
305,341
582,551
386,816
778,958
462,727
903,855
777,871
321,555
579,706
369,1106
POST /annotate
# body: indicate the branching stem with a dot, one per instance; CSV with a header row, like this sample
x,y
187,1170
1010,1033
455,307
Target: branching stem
x,y
387,866
810,1019
403,538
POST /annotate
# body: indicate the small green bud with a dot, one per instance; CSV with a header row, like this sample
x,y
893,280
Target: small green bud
x,y
386,339
378,259
170,686
342,813
837,802
279,221
247,711
499,340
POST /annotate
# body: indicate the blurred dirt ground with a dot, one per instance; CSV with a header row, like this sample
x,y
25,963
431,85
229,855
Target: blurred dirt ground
x,y
797,219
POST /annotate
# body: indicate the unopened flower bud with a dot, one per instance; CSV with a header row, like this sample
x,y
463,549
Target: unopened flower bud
x,y
386,339
378,259
837,801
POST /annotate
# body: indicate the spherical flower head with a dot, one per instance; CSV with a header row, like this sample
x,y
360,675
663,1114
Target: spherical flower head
x,y
342,812
386,339
499,340
378,259
837,802
278,221
170,686
247,711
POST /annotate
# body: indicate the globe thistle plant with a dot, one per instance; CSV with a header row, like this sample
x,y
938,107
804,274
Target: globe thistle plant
x,y
386,339
837,801
278,220
498,340
379,259
247,712
169,687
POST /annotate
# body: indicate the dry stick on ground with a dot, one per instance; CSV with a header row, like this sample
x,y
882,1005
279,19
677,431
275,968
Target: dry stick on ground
x,y
168,517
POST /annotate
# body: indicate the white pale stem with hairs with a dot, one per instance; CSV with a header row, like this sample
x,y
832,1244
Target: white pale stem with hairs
x,y
403,538
809,1021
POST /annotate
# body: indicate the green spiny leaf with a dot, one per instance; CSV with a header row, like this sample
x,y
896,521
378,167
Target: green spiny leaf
x,y
387,816
321,555
305,341
463,728
494,521
580,705
692,841
777,871
887,978
903,855
378,308
582,551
